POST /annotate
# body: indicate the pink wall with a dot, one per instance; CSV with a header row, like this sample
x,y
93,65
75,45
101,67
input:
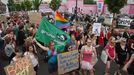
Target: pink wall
x,y
70,4
125,9
131,9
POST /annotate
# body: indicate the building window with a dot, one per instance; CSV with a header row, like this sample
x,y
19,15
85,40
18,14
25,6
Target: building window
x,y
89,2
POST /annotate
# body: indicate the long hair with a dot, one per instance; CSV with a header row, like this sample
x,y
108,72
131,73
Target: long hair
x,y
33,50
111,41
66,47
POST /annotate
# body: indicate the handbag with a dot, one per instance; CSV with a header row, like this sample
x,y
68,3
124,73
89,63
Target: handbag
x,y
104,56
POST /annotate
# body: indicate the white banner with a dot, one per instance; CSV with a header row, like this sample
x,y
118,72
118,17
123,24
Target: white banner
x,y
124,22
96,29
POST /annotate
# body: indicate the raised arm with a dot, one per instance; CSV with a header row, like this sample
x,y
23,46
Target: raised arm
x,y
42,47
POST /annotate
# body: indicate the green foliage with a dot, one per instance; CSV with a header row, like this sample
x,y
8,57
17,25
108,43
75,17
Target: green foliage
x,y
23,6
55,4
114,6
10,5
17,7
36,4
28,4
89,2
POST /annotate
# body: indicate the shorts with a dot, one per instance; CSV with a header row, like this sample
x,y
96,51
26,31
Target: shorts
x,y
52,68
86,65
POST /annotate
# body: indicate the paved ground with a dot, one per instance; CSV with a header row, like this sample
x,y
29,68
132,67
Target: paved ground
x,y
99,67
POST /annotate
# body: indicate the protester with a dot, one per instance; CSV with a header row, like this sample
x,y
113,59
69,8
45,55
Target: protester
x,y
20,39
110,51
101,37
69,48
9,48
17,57
30,53
73,41
81,42
131,50
122,54
86,57
52,54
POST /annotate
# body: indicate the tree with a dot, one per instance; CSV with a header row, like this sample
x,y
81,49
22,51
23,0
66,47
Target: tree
x,y
55,4
23,6
114,7
36,4
10,5
17,7
28,4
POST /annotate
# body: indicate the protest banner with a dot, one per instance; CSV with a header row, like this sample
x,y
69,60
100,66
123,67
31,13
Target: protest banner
x,y
47,32
68,61
21,67
96,29
124,22
35,17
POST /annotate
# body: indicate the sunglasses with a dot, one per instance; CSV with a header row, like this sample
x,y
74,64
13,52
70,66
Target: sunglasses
x,y
70,47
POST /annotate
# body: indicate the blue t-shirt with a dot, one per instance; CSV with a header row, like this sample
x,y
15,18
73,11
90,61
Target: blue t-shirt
x,y
52,58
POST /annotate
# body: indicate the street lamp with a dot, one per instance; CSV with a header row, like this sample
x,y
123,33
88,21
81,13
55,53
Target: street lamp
x,y
76,10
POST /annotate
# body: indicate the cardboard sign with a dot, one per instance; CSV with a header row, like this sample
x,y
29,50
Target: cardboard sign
x,y
124,22
68,62
2,18
96,29
35,17
21,67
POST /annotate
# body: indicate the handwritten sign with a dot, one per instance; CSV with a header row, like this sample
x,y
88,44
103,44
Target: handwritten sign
x,y
96,29
35,17
68,61
124,22
21,67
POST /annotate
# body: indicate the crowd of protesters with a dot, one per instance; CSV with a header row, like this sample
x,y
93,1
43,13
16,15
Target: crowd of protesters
x,y
17,41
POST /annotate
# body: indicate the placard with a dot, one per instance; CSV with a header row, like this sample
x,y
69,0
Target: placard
x,y
124,22
68,61
21,67
35,17
96,29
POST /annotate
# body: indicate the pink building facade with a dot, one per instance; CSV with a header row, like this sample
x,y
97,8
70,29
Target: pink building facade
x,y
83,8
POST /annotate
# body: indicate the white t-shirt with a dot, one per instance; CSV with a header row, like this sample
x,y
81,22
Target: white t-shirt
x,y
33,58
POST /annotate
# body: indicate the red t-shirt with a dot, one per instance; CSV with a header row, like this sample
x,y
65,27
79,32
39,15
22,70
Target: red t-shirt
x,y
110,50
108,35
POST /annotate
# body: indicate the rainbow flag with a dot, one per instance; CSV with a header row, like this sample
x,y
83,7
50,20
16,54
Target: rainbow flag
x,y
61,22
